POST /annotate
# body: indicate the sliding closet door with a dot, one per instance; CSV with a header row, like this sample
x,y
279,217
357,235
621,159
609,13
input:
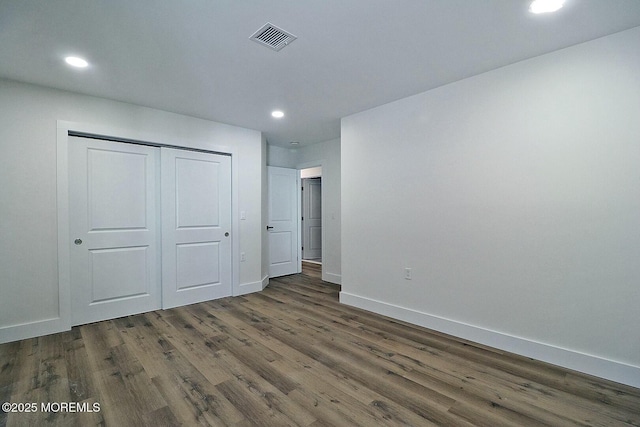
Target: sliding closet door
x,y
113,206
196,226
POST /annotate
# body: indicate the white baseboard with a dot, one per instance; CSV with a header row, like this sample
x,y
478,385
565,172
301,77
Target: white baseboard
x,y
32,329
250,287
588,364
332,278
51,326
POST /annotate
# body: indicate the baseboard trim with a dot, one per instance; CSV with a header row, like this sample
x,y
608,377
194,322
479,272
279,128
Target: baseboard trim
x,y
581,362
265,282
332,278
250,287
32,330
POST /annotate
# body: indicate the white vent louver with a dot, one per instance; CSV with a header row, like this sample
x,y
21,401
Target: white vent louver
x,y
273,37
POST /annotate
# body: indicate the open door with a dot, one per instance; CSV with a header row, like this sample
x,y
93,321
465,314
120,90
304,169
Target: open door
x,y
283,223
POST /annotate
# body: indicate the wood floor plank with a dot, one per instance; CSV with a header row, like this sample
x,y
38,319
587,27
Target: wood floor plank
x,y
189,379
459,387
372,406
293,355
337,407
243,382
81,385
196,402
375,403
116,405
143,342
9,366
162,417
27,372
101,341
354,365
250,371
264,394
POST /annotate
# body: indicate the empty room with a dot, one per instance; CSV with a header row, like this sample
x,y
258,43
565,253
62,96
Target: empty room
x,y
305,213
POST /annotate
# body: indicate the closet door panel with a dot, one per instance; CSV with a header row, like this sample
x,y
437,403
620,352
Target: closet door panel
x,y
113,208
196,226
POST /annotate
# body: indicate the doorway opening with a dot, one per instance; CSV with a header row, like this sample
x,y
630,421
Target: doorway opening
x,y
311,223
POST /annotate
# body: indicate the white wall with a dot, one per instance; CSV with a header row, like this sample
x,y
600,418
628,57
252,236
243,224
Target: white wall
x,y
28,223
281,157
514,197
327,155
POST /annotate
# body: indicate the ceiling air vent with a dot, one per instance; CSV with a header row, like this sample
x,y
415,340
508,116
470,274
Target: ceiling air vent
x,y
273,37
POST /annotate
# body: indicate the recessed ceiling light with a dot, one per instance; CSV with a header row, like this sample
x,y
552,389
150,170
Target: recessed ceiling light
x,y
294,142
545,6
74,61
277,114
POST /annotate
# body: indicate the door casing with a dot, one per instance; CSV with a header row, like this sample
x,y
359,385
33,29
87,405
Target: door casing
x,y
311,222
65,129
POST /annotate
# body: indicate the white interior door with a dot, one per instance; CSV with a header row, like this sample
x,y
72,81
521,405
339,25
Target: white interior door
x,y
283,221
312,218
196,226
113,206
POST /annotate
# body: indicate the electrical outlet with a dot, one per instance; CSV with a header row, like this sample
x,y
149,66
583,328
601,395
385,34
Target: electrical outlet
x,y
243,257
407,273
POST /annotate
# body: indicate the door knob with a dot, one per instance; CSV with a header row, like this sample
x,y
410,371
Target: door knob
x,y
78,241
269,227
226,234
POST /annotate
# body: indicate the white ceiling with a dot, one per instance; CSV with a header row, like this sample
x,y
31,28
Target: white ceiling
x,y
194,57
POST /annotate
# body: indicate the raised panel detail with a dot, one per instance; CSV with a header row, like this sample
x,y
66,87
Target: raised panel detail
x,y
118,273
315,201
280,247
281,201
117,190
198,264
315,238
197,193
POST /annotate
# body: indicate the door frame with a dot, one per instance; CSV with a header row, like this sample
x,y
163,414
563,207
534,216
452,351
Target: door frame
x,y
308,165
304,216
64,128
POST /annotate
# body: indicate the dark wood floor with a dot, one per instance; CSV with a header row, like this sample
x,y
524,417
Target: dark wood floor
x,y
292,355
